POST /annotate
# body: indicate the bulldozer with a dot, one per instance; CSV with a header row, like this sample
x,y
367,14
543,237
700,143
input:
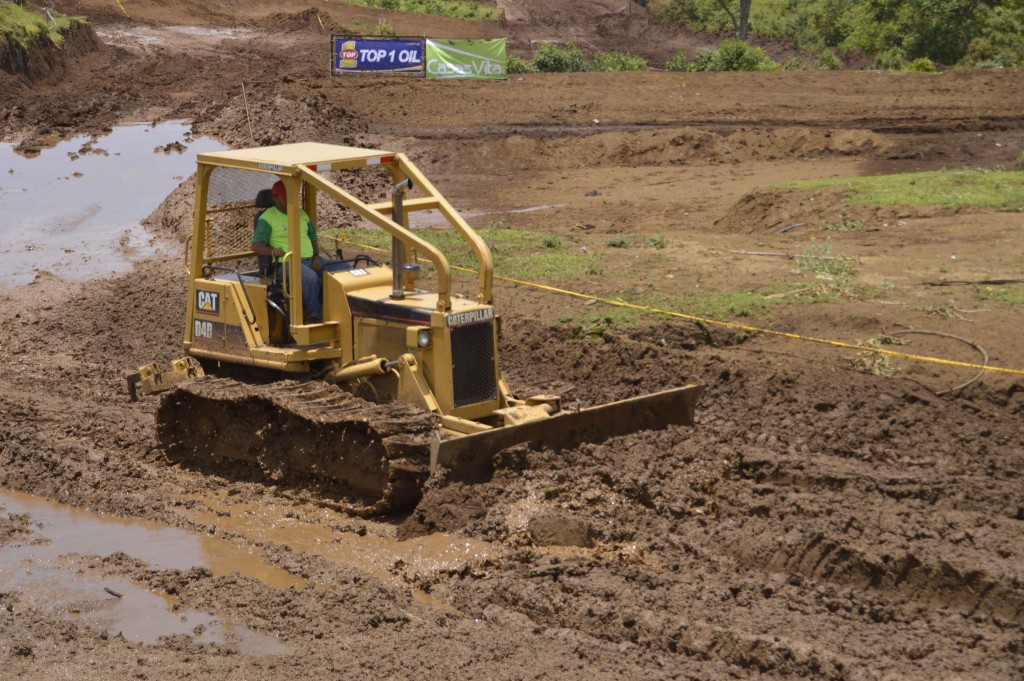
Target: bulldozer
x,y
397,383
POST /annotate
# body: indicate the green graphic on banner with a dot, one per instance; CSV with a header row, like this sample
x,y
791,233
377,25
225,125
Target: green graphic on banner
x,y
466,59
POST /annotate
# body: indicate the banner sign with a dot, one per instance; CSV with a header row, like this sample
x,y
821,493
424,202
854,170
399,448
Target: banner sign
x,y
466,59
377,55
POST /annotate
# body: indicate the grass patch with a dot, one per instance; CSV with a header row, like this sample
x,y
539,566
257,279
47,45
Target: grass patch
x,y
516,253
727,305
595,324
819,261
25,28
836,275
1014,295
844,224
618,61
545,258
966,188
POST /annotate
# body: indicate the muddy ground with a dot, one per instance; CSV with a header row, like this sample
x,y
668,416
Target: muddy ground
x,y
820,521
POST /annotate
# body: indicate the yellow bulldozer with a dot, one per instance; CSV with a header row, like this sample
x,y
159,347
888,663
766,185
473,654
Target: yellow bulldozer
x,y
393,384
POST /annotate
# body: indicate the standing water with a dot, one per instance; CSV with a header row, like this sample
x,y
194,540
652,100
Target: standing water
x,y
50,568
75,209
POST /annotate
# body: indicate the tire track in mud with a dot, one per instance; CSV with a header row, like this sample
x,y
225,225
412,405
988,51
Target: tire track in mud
x,y
846,517
892,536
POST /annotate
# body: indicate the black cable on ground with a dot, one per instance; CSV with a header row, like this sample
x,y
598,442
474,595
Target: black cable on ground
x,y
963,386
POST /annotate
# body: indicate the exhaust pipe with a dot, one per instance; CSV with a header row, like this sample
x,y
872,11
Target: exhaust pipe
x,y
397,251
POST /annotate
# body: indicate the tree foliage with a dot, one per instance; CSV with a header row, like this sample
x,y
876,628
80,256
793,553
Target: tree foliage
x,y
552,58
975,32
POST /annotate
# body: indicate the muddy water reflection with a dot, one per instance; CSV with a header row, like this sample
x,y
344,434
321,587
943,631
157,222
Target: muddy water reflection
x,y
46,570
75,209
385,558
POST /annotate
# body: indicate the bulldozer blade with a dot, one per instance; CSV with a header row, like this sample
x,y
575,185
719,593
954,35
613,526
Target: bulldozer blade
x,y
468,458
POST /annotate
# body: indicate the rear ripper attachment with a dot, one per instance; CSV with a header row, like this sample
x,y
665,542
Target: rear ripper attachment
x,y
426,361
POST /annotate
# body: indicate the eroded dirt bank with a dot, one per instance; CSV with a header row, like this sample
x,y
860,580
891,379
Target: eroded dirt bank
x,y
819,522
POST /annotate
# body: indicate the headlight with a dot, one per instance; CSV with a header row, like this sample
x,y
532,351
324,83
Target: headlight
x,y
423,338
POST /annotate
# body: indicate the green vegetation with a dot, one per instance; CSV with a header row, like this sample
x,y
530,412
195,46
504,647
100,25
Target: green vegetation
x,y
921,65
596,323
524,255
383,29
965,188
844,224
981,33
551,58
460,9
617,61
944,310
516,65
677,62
874,362
718,306
547,258
819,261
729,305
1014,295
828,61
730,55
835,275
26,28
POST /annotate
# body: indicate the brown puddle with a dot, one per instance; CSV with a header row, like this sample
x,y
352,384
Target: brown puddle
x,y
381,557
76,209
44,571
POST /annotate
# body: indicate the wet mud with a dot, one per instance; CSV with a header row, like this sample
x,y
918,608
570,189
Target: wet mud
x,y
818,521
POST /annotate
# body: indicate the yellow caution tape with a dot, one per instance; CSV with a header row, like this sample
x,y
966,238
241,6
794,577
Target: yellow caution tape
x,y
733,325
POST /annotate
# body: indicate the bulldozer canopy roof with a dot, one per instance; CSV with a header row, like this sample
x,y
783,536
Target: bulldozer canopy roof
x,y
282,156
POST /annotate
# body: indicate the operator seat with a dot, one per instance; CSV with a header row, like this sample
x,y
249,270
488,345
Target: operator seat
x,y
264,200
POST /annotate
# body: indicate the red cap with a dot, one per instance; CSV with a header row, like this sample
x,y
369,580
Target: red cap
x,y
278,189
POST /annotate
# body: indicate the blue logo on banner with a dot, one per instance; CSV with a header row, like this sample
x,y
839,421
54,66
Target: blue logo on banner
x,y
382,56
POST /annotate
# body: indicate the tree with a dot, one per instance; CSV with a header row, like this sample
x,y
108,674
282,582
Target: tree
x,y
742,24
938,29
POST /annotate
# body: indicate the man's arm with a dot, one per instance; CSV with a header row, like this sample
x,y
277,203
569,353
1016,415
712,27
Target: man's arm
x,y
260,248
261,241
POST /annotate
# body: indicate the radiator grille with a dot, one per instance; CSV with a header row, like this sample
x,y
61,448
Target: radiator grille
x,y
473,373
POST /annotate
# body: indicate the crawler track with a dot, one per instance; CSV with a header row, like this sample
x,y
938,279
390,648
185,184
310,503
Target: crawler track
x,y
301,432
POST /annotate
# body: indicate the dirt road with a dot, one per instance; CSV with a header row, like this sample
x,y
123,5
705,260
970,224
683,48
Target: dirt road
x,y
819,521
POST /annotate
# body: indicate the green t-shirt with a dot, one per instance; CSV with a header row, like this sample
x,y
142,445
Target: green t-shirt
x,y
272,230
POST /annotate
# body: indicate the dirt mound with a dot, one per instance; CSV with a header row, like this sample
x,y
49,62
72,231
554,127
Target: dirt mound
x,y
311,19
593,25
769,211
48,63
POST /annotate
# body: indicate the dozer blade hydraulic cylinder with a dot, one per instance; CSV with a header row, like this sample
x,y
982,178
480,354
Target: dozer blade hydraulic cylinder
x,y
469,458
